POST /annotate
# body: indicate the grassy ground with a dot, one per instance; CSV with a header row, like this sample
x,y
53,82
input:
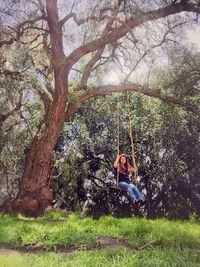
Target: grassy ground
x,y
95,242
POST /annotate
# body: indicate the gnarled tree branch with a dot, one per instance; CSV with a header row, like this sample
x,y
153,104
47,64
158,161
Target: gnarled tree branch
x,y
129,24
89,66
19,30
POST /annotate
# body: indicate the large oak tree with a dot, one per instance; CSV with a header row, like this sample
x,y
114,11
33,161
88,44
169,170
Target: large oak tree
x,y
113,22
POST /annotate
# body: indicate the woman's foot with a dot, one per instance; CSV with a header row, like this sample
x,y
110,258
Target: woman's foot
x,y
140,202
133,201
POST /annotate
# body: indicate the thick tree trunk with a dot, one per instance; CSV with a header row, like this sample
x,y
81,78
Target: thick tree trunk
x,y
34,193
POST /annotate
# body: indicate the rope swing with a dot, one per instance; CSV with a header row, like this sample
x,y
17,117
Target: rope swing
x,y
130,134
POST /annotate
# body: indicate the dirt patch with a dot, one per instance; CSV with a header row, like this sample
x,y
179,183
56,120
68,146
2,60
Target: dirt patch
x,y
101,242
6,249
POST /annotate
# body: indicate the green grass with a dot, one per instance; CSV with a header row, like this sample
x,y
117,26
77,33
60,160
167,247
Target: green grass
x,y
75,230
151,242
113,257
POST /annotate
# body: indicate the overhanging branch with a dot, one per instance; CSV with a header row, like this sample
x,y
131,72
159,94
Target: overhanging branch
x,y
105,90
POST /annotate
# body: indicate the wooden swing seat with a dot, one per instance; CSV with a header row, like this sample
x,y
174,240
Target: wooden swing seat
x,y
118,188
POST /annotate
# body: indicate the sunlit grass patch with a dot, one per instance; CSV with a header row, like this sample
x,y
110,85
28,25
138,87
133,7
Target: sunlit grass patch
x,y
12,260
110,258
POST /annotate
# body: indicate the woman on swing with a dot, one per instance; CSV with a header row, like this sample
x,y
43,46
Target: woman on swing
x,y
122,166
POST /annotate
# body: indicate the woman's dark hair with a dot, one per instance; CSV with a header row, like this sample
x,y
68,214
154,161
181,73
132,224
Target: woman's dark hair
x,y
124,169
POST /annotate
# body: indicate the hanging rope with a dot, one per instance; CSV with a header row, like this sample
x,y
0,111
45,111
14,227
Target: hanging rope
x,y
131,137
118,133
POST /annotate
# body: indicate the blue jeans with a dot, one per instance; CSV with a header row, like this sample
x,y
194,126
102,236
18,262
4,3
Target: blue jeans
x,y
133,191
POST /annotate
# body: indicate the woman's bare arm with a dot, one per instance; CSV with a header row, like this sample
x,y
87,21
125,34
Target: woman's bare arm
x,y
134,168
